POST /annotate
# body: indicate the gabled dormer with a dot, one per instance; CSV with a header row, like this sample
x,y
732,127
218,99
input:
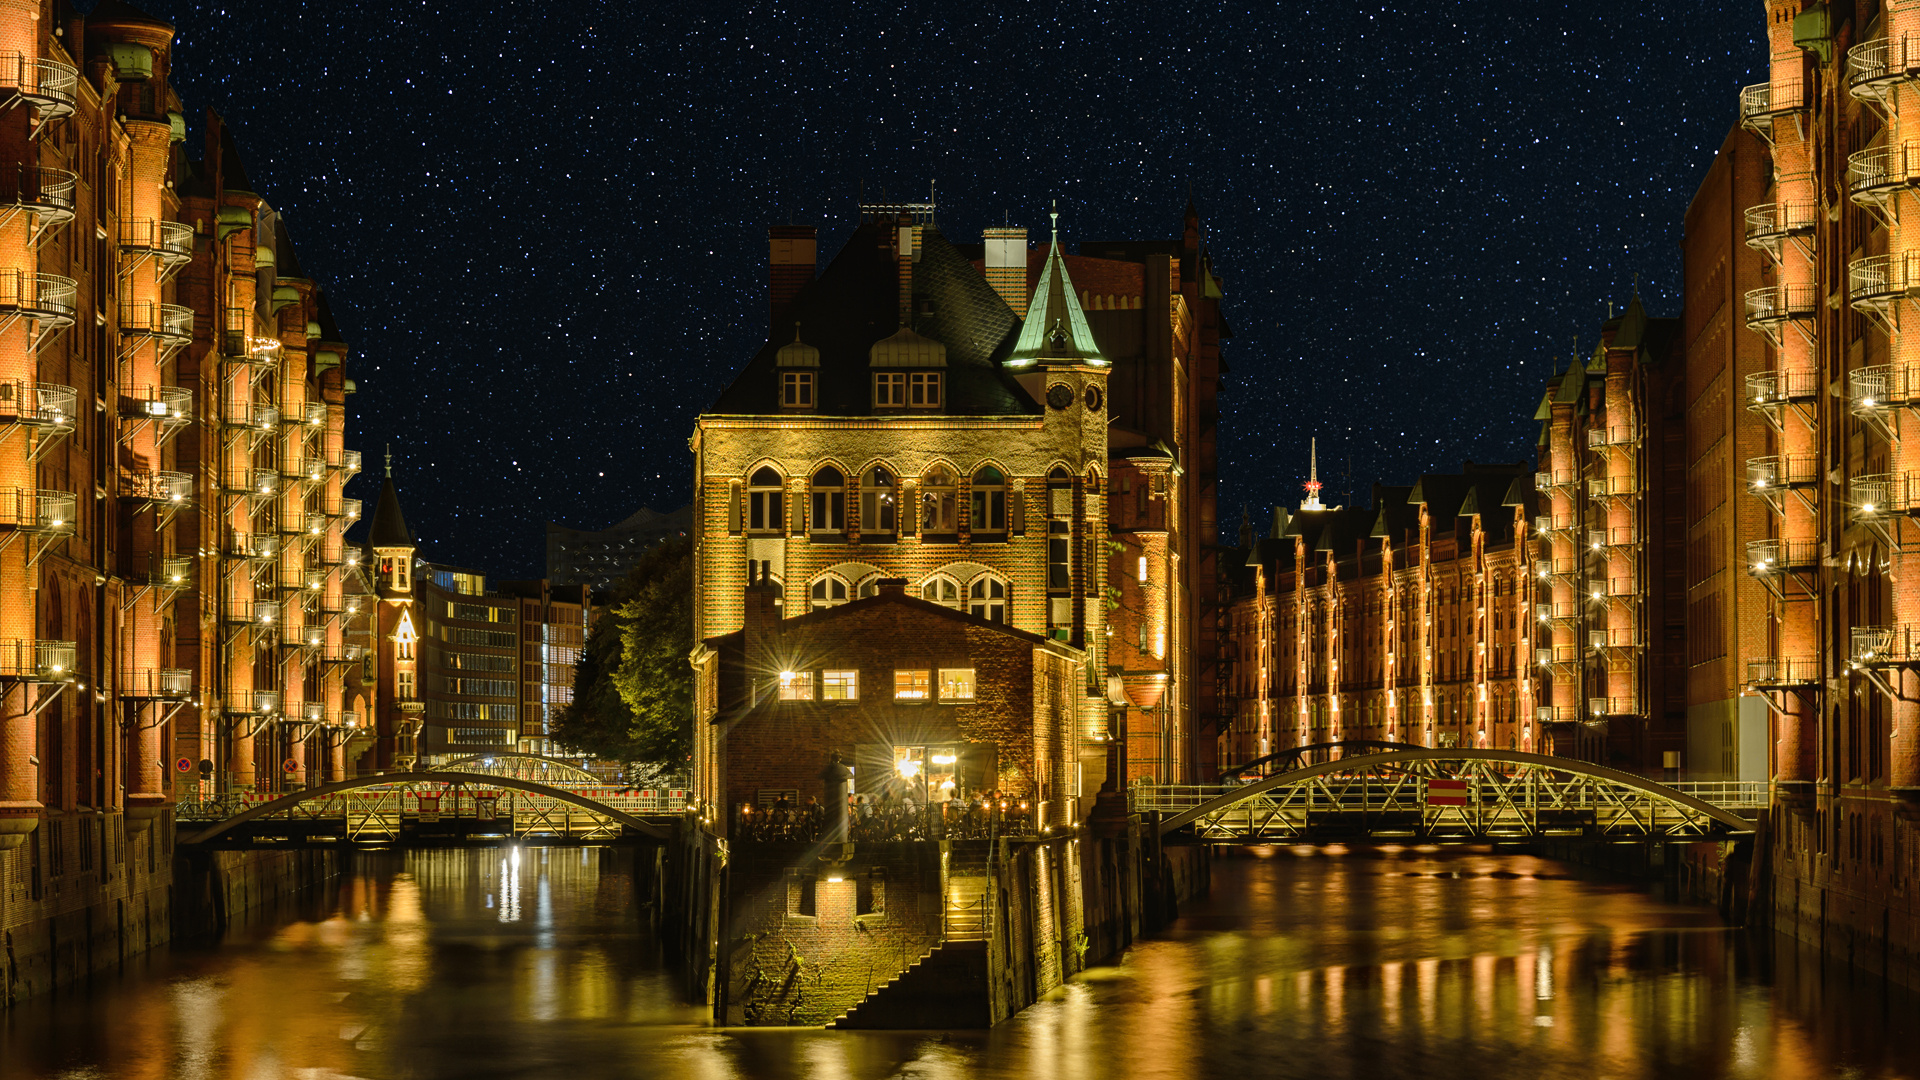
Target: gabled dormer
x,y
909,373
798,366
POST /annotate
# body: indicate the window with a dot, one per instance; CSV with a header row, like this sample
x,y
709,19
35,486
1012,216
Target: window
x,y
876,503
482,736
796,686
989,500
404,686
828,591
841,686
796,389
987,598
911,685
1059,557
763,501
829,501
889,389
941,590
937,501
956,684
923,389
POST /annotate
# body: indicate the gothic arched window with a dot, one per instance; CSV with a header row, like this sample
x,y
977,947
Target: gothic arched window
x,y
937,501
876,503
764,513
828,590
829,501
941,589
989,500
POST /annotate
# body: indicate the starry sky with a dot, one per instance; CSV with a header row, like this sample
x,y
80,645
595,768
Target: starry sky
x,y
543,225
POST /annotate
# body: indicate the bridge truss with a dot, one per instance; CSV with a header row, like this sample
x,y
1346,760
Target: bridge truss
x,y
440,805
1449,795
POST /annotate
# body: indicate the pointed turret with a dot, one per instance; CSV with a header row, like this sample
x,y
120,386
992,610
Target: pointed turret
x,y
389,537
1056,329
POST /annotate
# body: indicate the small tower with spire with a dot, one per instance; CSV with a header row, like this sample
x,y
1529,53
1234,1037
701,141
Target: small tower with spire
x,y
1312,503
397,717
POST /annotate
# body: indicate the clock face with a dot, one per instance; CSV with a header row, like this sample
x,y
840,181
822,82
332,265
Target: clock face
x,y
1093,399
1060,395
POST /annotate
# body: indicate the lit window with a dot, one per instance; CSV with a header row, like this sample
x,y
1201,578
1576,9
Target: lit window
x,y
889,389
912,685
923,390
941,590
796,686
841,686
796,389
956,684
937,501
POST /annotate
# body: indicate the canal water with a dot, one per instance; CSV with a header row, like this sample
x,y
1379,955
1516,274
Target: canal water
x,y
1303,963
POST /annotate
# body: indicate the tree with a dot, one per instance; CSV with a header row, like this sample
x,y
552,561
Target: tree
x,y
633,691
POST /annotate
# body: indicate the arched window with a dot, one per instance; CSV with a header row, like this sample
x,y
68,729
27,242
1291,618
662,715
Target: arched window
x,y
764,512
828,590
989,500
941,589
936,501
876,503
829,501
869,586
987,598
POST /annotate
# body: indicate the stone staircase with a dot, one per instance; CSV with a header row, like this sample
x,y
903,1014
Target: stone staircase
x,y
946,988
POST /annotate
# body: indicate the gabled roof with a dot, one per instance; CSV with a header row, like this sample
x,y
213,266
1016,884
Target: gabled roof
x,y
233,173
1396,514
927,607
1056,328
854,304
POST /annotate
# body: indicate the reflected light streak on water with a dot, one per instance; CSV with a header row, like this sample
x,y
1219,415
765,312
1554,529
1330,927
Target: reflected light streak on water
x,y
1433,964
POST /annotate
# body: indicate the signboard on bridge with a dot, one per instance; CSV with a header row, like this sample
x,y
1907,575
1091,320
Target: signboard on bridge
x,y
1446,792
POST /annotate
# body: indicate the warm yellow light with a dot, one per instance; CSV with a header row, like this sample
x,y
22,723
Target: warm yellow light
x,y
786,677
907,768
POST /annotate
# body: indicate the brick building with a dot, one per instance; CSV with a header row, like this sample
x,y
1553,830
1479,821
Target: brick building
x,y
985,424
923,701
464,668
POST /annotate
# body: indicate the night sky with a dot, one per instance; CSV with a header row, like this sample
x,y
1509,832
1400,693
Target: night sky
x,y
543,225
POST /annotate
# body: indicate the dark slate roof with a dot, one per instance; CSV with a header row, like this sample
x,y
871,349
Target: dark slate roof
x,y
286,263
927,607
329,329
855,302
233,173
389,528
1397,517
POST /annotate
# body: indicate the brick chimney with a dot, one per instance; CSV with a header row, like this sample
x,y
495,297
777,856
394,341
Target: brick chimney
x,y
760,622
905,254
793,253
1006,266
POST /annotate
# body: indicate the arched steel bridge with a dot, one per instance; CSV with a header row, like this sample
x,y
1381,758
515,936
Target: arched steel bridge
x,y
1425,794
1290,758
433,805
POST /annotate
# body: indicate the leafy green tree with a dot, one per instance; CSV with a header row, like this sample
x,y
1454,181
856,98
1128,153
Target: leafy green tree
x,y
633,692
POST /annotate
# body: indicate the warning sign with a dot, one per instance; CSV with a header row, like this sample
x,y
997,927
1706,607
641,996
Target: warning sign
x,y
1446,793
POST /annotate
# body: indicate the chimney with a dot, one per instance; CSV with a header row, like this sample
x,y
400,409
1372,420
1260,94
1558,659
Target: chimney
x,y
1006,266
760,622
792,256
905,255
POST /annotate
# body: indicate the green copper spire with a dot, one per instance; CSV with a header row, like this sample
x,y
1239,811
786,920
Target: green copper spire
x,y
1056,329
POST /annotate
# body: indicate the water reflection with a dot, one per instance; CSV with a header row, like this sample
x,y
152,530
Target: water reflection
x,y
533,963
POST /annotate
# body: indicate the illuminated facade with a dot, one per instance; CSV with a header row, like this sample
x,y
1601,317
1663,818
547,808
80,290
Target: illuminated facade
x,y
966,419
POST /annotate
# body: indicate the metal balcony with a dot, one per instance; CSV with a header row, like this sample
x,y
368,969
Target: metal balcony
x,y
168,408
1608,487
1778,672
169,241
46,298
1622,536
349,718
1877,499
254,547
240,345
39,404
1771,224
152,683
1546,480
253,703
38,661
309,526
43,191
1762,103
253,483
48,86
1876,68
38,511
263,613
350,463
302,637
161,487
171,324
298,468
1876,283
1770,307
304,581
173,573
1557,714
1766,557
1877,175
350,509
1771,390
1620,706
1894,645
1772,476
312,414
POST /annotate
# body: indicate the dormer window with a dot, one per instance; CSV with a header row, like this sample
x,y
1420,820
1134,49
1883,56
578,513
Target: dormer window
x,y
890,389
923,390
906,390
796,389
